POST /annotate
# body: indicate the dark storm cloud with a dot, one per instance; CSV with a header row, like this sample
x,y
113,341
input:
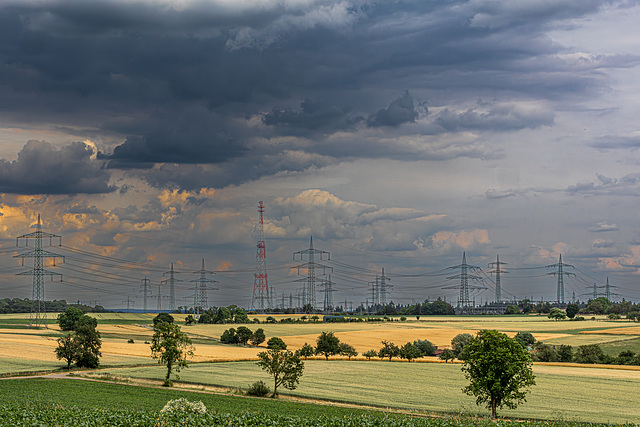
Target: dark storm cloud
x,y
42,169
248,168
401,110
166,84
313,116
193,136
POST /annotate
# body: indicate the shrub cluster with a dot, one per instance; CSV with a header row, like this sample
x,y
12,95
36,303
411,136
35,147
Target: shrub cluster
x,y
242,335
184,405
259,389
591,353
408,351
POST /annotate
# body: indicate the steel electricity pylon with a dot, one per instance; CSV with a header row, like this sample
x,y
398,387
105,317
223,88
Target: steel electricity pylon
x,y
328,294
497,270
464,302
560,273
38,314
379,290
172,286
200,302
309,290
260,300
146,293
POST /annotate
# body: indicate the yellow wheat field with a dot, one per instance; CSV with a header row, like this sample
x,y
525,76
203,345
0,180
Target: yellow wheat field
x,y
39,345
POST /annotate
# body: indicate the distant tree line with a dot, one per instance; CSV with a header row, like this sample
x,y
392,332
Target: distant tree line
x,y
17,305
599,306
223,315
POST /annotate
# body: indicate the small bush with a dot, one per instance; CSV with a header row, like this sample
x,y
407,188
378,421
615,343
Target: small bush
x,y
130,341
259,388
183,405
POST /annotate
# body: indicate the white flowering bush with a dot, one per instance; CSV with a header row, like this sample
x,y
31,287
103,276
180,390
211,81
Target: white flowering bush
x,y
183,405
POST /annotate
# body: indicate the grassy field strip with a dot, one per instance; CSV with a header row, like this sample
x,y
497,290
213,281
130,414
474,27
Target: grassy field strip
x,y
571,393
629,330
585,339
11,365
125,329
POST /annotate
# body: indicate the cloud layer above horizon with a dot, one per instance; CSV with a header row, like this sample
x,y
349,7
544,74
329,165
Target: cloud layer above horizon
x,y
409,127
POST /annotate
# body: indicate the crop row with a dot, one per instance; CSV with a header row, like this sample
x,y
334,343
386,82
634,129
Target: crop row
x,y
32,415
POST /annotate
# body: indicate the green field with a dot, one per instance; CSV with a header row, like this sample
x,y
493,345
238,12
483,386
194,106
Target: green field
x,y
68,402
585,394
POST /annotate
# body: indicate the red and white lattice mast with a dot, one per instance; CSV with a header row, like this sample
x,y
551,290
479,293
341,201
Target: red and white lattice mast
x,y
261,300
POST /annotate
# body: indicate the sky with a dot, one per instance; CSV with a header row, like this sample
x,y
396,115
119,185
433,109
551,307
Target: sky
x,y
399,134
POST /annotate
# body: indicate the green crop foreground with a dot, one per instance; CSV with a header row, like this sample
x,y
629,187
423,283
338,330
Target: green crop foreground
x,y
30,415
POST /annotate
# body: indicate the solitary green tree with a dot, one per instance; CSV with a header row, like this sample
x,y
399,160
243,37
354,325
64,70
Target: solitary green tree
x,y
285,367
83,346
171,347
88,345
572,310
347,350
67,320
459,342
370,353
327,344
389,350
499,370
557,314
410,351
305,351
67,349
162,317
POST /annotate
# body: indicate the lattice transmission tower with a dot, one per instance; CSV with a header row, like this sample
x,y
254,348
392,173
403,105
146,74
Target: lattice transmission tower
x,y
38,314
328,294
200,302
146,293
497,270
309,290
607,291
260,300
172,286
379,290
560,273
464,302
